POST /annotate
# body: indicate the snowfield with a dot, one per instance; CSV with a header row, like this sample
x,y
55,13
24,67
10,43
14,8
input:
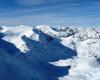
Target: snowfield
x,y
49,53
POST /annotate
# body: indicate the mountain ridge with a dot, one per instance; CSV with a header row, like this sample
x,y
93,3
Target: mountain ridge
x,y
63,50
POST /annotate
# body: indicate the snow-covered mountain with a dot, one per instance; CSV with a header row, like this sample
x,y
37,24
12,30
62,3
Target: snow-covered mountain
x,y
49,53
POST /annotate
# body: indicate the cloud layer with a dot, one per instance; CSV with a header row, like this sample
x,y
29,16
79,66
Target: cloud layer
x,y
61,11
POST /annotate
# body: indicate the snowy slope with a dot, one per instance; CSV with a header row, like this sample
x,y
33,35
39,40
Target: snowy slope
x,y
14,34
86,66
51,53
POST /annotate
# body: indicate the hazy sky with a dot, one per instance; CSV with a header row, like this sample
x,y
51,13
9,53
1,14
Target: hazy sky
x,y
53,12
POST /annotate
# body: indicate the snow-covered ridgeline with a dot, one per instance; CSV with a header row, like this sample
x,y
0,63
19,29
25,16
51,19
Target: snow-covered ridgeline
x,y
86,41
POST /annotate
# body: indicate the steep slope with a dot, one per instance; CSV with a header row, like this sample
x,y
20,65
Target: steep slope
x,y
47,53
86,65
14,34
39,51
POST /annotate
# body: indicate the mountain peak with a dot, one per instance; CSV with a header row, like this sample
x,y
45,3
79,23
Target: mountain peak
x,y
45,43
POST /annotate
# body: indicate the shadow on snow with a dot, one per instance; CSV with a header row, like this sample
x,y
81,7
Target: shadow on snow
x,y
34,65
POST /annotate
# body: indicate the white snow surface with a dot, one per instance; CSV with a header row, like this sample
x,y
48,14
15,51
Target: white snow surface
x,y
86,41
14,34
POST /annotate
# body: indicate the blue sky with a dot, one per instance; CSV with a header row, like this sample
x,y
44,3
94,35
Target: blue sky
x,y
51,12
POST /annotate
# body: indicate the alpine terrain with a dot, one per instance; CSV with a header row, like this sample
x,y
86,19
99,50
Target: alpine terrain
x,y
49,53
